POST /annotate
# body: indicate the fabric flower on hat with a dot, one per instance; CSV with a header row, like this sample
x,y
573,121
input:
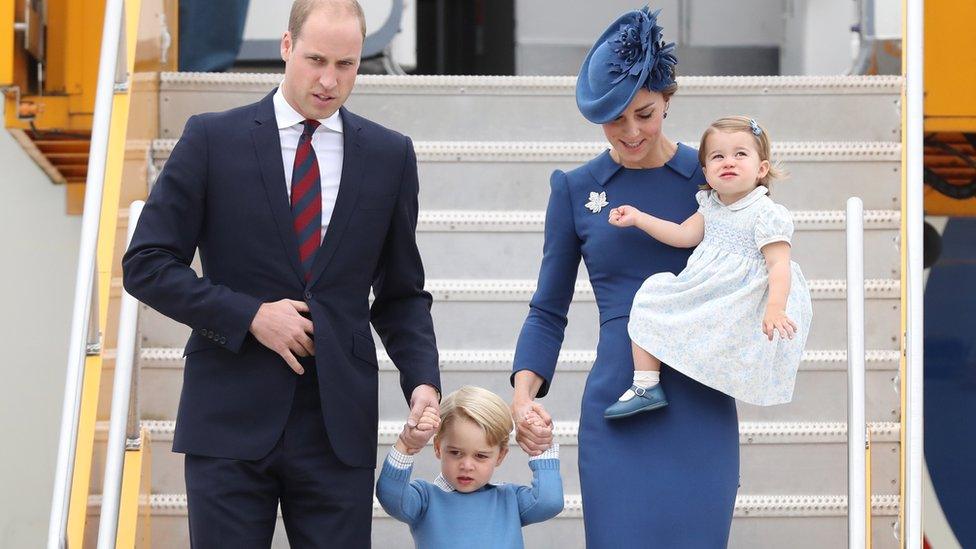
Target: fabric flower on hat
x,y
641,49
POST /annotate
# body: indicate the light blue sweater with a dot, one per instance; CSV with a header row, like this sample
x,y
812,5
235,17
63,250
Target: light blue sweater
x,y
490,518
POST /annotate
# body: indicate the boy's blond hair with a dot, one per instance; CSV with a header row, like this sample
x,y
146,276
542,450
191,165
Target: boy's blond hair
x,y
483,407
743,124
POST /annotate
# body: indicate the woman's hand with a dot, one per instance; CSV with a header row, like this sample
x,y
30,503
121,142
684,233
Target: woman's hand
x,y
775,320
533,426
625,216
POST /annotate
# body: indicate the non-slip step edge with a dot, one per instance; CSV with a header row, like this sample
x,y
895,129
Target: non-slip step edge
x,y
581,151
560,85
565,432
569,360
751,506
479,290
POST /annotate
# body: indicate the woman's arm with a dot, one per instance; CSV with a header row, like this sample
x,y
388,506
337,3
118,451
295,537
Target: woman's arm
x,y
777,256
542,333
686,235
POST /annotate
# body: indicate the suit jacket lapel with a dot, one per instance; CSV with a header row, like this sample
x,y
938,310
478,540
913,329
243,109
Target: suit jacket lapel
x,y
267,147
349,186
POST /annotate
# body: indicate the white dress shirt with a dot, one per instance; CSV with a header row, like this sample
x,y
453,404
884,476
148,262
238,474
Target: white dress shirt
x,y
327,144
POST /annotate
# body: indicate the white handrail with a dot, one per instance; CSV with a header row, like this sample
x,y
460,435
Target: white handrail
x,y
856,424
914,208
121,391
94,184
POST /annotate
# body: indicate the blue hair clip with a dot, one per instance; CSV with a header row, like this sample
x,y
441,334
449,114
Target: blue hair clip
x,y
756,130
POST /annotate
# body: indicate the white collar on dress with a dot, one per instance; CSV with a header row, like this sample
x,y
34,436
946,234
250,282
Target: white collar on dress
x,y
746,200
287,116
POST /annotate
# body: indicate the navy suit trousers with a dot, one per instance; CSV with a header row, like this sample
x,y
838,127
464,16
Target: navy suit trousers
x,y
324,503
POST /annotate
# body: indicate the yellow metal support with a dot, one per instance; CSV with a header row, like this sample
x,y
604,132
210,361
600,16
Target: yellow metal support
x,y
950,55
134,506
7,19
78,505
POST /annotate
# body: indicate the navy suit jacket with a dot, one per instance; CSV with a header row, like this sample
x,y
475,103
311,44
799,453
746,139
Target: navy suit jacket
x,y
223,192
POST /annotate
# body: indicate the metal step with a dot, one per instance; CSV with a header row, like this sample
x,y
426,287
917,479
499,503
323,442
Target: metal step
x,y
498,309
795,521
504,108
500,244
515,175
820,395
776,457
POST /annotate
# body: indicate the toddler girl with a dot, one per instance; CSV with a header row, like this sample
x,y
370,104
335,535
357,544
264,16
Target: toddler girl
x,y
715,321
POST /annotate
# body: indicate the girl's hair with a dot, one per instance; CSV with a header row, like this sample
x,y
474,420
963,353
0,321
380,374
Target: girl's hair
x,y
743,124
483,407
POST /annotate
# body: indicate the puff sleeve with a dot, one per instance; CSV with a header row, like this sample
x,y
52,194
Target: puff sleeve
x,y
702,198
774,225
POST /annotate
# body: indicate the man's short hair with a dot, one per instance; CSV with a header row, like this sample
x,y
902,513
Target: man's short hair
x,y
481,406
301,9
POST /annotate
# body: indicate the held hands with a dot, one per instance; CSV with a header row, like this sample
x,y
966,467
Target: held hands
x,y
413,439
280,327
775,320
625,216
533,426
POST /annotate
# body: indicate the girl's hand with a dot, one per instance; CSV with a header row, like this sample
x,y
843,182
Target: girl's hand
x,y
777,321
625,216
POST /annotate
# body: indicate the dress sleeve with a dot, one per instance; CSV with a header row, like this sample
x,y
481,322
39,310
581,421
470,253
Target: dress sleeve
x,y
702,198
544,328
774,225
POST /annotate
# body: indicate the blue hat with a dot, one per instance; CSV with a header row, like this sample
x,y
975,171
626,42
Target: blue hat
x,y
629,55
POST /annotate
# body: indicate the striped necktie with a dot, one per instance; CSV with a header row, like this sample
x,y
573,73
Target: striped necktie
x,y
306,198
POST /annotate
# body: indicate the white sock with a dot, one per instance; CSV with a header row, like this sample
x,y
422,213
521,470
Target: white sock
x,y
643,379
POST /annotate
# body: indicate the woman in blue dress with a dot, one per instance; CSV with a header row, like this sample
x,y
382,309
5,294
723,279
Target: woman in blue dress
x,y
666,479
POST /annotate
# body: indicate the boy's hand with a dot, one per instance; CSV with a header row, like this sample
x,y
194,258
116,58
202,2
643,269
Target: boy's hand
x,y
776,321
413,439
624,216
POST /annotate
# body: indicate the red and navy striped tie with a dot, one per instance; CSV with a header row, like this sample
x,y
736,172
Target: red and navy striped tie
x,y
306,198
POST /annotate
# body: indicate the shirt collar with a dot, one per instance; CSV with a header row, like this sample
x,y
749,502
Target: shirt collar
x,y
287,116
443,484
746,200
684,162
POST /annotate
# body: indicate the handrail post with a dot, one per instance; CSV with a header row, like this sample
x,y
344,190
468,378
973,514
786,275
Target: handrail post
x,y
913,47
84,281
856,424
122,390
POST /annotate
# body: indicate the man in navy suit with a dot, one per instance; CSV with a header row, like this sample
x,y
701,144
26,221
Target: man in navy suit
x,y
298,208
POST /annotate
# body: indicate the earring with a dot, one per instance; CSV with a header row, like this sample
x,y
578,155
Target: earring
x,y
665,114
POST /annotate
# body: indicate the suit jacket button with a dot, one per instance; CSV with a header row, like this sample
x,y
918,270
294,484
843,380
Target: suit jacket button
x,y
308,294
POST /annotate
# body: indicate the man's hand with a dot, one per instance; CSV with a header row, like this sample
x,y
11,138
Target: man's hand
x,y
280,327
413,439
422,397
533,426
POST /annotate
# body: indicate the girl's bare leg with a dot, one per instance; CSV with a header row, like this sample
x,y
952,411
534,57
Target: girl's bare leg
x,y
644,361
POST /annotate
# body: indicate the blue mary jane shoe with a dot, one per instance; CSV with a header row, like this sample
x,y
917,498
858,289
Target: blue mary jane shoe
x,y
645,400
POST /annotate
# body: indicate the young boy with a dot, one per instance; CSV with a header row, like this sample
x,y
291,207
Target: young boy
x,y
461,508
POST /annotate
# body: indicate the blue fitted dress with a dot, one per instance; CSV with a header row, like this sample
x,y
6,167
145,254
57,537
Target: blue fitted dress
x,y
667,478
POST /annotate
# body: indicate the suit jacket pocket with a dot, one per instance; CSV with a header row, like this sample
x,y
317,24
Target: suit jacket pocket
x,y
364,349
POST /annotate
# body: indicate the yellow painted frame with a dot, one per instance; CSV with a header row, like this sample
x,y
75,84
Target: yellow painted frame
x,y
7,18
81,479
134,504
